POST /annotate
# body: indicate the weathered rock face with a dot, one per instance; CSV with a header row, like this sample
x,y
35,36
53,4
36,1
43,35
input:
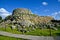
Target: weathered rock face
x,y
22,14
20,11
24,17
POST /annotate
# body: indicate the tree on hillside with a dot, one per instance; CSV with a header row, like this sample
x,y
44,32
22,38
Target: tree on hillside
x,y
8,17
0,18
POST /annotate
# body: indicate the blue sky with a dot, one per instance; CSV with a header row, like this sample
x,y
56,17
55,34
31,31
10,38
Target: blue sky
x,y
39,7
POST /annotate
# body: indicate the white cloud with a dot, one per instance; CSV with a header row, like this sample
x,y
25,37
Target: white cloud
x,y
48,15
56,15
58,0
44,3
4,12
59,12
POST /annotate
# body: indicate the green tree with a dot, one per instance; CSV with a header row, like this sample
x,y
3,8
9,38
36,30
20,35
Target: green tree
x,y
8,17
0,18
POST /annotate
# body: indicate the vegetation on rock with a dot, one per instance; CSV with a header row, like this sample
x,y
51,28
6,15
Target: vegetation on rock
x,y
23,20
0,18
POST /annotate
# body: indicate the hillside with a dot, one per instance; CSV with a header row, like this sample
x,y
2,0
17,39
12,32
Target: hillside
x,y
22,14
22,18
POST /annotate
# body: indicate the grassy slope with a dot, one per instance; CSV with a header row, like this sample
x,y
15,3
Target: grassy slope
x,y
8,29
9,38
44,32
39,32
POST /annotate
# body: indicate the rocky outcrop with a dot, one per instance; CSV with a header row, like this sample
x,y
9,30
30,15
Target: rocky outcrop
x,y
24,17
21,11
21,14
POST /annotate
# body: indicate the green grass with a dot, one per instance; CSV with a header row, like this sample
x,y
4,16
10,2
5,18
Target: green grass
x,y
8,29
37,32
44,32
9,38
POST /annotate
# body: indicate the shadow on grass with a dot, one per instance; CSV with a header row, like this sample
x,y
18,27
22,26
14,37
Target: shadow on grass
x,y
58,34
57,37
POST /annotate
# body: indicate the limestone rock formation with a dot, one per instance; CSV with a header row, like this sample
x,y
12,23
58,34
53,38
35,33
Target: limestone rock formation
x,y
20,11
24,17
